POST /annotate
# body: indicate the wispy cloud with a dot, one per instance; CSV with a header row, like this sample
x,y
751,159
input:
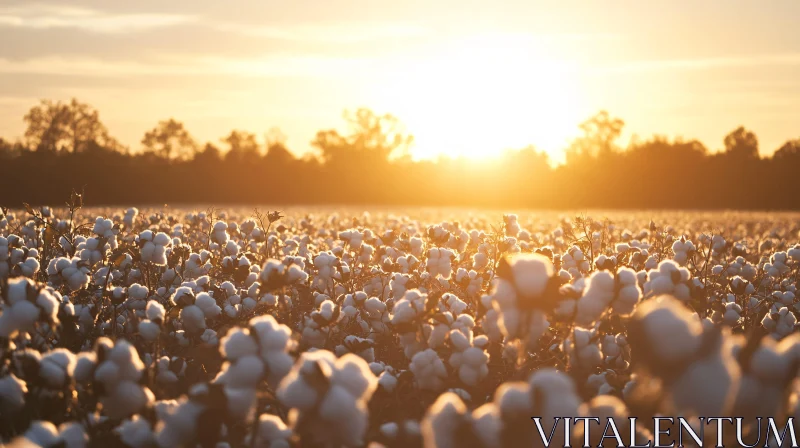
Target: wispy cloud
x,y
177,65
341,32
788,59
56,16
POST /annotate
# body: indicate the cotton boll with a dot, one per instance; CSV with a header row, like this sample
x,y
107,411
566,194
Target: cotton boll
x,y
155,311
444,422
683,249
429,370
271,433
668,278
471,363
25,303
56,367
668,334
136,432
780,324
193,318
40,433
12,394
519,295
439,262
149,330
329,396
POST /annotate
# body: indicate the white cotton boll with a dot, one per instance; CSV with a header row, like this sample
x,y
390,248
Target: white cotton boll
x,y
179,424
136,432
137,291
387,381
439,262
341,407
429,370
596,298
673,332
149,330
193,318
124,399
583,349
155,311
84,366
683,249
708,385
668,278
271,433
231,311
41,433
629,293
56,367
237,344
444,422
73,435
781,323
18,313
208,305
12,394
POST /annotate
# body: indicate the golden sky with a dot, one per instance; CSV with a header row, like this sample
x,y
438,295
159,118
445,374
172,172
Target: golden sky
x,y
465,77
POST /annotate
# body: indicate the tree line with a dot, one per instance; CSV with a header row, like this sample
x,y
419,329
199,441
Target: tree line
x,y
66,146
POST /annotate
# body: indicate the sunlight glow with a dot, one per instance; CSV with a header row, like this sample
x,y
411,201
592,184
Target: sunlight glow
x,y
479,96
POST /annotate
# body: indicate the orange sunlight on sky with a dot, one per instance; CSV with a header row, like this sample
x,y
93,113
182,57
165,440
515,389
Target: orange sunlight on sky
x,y
467,78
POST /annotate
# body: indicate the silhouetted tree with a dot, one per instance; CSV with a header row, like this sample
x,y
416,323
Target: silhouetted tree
x,y
242,147
373,138
600,132
365,166
73,126
209,156
170,140
788,152
741,144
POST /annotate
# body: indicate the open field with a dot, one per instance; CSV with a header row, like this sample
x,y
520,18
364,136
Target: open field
x,y
393,327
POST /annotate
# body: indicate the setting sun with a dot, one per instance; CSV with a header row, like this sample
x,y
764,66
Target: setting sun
x,y
477,96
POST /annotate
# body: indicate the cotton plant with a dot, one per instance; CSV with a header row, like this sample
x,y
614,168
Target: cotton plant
x,y
195,311
74,273
430,372
46,434
668,278
583,349
150,328
522,295
328,397
440,262
469,357
317,325
767,372
119,369
257,352
779,323
547,394
603,292
683,249
694,361
26,303
153,247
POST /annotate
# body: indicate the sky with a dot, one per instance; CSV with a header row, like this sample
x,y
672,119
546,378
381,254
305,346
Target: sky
x,y
471,78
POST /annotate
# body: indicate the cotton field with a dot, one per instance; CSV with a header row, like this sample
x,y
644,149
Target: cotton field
x,y
168,327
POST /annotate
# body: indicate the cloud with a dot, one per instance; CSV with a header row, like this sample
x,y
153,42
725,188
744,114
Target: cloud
x,y
341,32
267,66
761,60
44,17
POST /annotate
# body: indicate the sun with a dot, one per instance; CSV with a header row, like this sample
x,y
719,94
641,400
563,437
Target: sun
x,y
479,96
